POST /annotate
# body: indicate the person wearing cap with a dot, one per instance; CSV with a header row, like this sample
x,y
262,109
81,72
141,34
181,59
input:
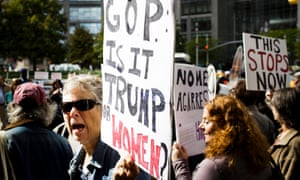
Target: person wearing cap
x,y
35,151
82,110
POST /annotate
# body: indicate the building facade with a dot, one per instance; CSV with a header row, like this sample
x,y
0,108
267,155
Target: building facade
x,y
220,20
83,13
225,21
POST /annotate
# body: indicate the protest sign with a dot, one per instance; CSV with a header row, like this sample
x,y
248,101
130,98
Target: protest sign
x,y
41,75
190,94
137,72
266,62
212,82
56,75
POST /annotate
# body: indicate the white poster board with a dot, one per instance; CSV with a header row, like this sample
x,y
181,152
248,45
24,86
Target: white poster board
x,y
266,62
41,75
190,95
56,75
137,72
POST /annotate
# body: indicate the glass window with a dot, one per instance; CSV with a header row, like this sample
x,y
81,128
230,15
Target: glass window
x,y
183,26
185,10
204,24
93,28
84,13
71,29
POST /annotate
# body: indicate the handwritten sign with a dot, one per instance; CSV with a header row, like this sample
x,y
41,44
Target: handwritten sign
x,y
190,95
266,62
137,74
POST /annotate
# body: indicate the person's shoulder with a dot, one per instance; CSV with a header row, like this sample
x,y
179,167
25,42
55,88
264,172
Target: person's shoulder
x,y
295,138
15,131
209,168
104,149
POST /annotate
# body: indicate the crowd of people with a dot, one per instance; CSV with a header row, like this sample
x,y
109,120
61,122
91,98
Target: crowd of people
x,y
31,150
248,135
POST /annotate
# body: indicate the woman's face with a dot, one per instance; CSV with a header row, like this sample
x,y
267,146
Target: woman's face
x,y
84,126
208,127
275,113
56,85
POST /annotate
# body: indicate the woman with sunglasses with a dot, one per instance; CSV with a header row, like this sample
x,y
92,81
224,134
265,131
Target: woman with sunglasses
x,y
82,100
235,147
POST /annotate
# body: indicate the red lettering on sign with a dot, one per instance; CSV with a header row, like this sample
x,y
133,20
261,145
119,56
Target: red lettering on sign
x,y
267,61
136,145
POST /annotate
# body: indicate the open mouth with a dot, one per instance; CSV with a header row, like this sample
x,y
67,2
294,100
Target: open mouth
x,y
77,126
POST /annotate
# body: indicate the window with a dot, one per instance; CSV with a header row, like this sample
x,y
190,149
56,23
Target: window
x,y
85,13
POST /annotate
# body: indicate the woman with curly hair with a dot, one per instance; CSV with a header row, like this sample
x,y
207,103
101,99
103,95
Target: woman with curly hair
x,y
235,147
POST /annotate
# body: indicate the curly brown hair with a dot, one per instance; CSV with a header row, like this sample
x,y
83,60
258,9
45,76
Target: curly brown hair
x,y
236,134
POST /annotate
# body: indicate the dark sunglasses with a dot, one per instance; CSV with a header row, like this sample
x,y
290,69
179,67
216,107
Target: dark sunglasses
x,y
80,105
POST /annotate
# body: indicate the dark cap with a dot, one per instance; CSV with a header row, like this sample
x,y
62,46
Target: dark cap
x,y
29,94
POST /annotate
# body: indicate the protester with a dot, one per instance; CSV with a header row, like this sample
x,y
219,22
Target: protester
x,y
285,151
23,75
3,114
56,96
35,151
263,107
250,99
82,109
235,147
9,95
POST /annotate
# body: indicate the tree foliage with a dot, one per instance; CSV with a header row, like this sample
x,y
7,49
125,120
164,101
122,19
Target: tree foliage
x,y
33,29
292,37
98,49
213,57
180,41
81,47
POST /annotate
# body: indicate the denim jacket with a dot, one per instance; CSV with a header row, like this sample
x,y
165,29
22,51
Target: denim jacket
x,y
101,166
103,161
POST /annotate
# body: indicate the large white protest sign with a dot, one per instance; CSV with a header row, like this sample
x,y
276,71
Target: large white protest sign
x,y
266,62
137,74
190,95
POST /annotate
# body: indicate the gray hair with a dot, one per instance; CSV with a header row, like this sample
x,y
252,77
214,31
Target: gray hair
x,y
43,114
86,83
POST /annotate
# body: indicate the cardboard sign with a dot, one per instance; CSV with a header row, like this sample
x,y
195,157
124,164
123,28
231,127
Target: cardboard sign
x,y
190,94
137,72
266,62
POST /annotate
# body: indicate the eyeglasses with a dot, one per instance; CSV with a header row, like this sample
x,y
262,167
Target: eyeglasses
x,y
81,105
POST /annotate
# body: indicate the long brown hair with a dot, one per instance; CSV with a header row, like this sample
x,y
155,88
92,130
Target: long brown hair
x,y
236,133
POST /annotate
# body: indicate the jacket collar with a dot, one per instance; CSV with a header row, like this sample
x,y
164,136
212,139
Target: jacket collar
x,y
291,133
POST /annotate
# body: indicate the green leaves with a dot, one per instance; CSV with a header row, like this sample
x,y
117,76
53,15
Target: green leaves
x,y
33,29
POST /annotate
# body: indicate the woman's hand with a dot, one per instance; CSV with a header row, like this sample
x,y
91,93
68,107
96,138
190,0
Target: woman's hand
x,y
178,152
126,169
